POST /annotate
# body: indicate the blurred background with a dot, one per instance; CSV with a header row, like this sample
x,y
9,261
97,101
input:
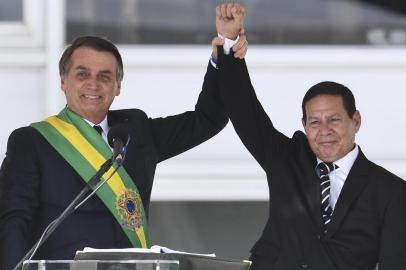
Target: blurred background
x,y
214,197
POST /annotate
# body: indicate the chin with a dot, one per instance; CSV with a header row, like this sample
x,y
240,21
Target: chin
x,y
327,157
332,158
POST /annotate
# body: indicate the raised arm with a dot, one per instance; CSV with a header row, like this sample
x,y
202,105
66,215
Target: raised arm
x,y
176,134
249,119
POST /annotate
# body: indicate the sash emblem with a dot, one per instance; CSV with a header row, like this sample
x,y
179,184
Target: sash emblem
x,y
128,205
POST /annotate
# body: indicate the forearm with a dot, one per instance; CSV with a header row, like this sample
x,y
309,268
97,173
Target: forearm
x,y
178,133
209,103
243,108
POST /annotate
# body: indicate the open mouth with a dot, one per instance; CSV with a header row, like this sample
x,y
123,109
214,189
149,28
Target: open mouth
x,y
92,97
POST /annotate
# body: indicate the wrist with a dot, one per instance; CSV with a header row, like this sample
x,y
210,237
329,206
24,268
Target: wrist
x,y
213,61
228,43
229,36
213,58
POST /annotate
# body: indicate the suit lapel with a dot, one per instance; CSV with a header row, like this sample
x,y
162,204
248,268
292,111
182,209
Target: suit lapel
x,y
116,118
113,119
308,183
312,194
353,186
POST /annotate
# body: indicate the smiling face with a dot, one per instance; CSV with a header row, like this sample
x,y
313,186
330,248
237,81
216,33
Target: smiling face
x,y
90,83
329,129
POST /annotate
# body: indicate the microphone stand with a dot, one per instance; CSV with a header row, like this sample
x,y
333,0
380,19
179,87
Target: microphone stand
x,y
70,209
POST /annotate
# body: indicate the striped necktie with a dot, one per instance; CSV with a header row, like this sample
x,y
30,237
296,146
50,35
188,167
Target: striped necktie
x,y
323,169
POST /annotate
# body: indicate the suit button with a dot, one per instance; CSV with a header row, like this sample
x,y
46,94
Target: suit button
x,y
304,266
319,236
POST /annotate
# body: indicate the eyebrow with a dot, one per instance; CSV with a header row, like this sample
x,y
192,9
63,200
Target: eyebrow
x,y
106,71
81,68
334,115
329,116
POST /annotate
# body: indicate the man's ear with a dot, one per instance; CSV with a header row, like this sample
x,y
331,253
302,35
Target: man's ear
x,y
357,120
118,91
63,85
304,124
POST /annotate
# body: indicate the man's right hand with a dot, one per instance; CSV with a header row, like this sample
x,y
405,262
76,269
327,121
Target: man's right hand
x,y
230,19
229,24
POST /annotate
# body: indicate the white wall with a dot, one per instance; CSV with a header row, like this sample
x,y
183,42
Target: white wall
x,y
167,80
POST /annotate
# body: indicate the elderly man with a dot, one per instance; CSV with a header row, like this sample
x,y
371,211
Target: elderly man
x,y
48,163
330,207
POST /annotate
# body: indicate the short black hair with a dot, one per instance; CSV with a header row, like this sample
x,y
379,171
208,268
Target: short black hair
x,y
96,43
333,89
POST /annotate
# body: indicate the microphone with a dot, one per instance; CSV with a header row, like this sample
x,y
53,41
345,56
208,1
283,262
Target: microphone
x,y
118,138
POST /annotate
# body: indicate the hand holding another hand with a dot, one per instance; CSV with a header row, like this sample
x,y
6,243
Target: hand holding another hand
x,y
239,49
230,24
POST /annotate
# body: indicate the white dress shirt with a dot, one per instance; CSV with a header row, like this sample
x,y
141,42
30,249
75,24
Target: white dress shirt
x,y
104,125
339,175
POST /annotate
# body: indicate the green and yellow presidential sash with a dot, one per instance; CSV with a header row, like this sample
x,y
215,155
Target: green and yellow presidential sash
x,y
85,150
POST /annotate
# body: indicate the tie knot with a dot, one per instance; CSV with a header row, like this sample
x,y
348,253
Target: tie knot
x,y
98,129
324,168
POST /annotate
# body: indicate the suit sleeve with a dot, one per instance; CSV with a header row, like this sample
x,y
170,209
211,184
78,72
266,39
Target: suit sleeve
x,y
393,241
246,113
19,177
176,134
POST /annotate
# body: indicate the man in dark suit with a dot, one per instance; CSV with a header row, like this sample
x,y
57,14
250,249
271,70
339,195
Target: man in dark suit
x,y
330,207
48,163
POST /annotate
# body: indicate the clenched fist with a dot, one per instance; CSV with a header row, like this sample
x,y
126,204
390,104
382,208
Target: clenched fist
x,y
230,19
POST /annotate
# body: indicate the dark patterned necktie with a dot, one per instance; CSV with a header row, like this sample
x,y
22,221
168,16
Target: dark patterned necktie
x,y
323,169
98,129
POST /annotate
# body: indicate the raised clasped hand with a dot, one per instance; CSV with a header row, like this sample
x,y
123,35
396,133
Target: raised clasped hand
x,y
230,19
230,24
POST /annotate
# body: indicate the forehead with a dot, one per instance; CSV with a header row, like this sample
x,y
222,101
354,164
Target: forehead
x,y
325,103
93,59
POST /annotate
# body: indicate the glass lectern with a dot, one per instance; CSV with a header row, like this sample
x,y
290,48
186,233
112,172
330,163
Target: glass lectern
x,y
102,265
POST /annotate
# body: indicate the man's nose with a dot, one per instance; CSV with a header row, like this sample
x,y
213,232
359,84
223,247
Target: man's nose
x,y
91,83
325,128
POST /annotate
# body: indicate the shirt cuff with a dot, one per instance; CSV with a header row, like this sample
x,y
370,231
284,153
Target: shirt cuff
x,y
213,61
228,44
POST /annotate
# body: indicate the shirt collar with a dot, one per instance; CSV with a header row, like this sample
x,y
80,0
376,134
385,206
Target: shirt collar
x,y
345,163
103,124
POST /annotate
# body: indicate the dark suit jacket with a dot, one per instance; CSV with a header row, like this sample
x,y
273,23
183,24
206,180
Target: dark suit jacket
x,y
37,184
369,221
